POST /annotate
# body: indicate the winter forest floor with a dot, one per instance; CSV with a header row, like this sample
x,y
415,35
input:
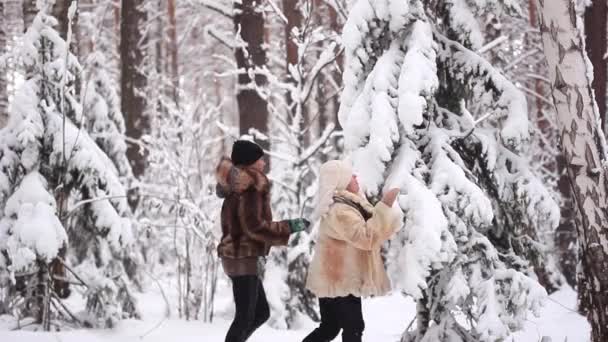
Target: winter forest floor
x,y
385,319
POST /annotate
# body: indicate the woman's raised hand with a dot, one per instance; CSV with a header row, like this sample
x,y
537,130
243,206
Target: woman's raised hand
x,y
390,196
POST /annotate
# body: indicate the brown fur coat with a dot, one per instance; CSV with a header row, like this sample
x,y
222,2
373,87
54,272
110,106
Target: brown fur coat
x,y
246,218
347,257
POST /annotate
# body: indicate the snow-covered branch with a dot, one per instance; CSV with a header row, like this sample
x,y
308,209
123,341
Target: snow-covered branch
x,y
327,57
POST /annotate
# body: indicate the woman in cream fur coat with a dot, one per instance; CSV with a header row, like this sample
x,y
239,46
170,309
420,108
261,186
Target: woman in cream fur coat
x,y
347,264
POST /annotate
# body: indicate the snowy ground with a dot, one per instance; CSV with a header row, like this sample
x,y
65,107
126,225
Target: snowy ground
x,y
385,319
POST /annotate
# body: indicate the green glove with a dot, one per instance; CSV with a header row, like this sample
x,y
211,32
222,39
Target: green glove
x,y
298,225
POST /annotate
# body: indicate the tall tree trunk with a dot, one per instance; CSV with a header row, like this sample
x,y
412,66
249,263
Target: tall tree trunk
x,y
29,13
584,150
249,24
3,73
85,35
159,58
173,48
596,24
565,234
336,26
60,12
536,83
294,21
133,81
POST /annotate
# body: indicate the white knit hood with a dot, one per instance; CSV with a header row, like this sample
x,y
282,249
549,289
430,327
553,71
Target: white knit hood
x,y
335,175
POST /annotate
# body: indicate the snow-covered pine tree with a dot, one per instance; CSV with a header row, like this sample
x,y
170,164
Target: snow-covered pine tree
x,y
104,120
516,51
422,111
61,197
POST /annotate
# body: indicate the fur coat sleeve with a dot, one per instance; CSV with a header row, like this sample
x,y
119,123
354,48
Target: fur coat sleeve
x,y
347,224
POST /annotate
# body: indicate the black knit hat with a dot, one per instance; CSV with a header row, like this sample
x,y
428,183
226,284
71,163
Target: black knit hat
x,y
246,152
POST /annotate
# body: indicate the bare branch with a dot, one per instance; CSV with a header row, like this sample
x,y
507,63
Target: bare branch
x,y
492,44
215,6
312,150
279,13
222,38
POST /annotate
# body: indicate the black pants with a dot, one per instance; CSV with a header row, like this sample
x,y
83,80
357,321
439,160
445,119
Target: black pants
x,y
341,313
251,307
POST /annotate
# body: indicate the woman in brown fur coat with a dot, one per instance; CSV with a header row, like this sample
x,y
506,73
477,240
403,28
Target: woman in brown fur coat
x,y
347,264
248,232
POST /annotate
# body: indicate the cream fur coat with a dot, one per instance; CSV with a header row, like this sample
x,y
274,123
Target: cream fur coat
x,y
347,257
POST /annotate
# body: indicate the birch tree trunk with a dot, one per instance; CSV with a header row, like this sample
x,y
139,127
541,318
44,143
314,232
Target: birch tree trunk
x,y
584,150
565,234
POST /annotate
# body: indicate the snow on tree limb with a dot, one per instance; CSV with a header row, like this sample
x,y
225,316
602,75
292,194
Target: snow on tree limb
x,y
510,101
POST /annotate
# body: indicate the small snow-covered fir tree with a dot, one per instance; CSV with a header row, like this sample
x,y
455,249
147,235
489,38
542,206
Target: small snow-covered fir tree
x,y
422,111
104,120
61,197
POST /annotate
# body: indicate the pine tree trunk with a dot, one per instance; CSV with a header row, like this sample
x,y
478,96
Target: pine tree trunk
x,y
336,26
60,12
85,37
174,49
584,150
3,73
253,110
159,58
294,20
133,81
29,13
596,24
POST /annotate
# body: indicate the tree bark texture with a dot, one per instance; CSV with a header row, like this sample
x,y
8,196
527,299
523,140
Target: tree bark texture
x,y
294,20
3,73
565,234
29,13
172,31
584,149
133,81
251,61
596,38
